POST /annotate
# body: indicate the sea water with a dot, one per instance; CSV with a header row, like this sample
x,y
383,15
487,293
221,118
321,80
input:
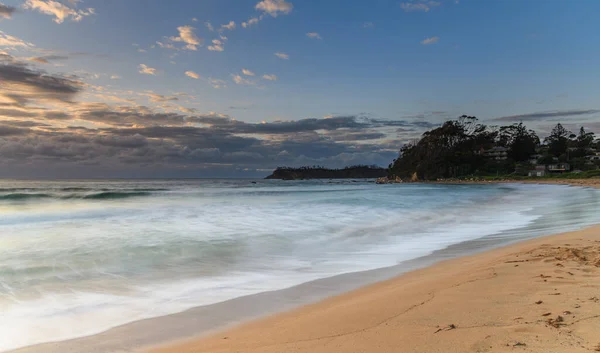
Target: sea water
x,y
80,257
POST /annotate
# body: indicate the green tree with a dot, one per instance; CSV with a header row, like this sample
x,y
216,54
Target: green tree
x,y
558,141
520,141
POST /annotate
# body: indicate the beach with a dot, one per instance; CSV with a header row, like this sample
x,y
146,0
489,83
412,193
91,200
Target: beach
x,y
163,266
540,295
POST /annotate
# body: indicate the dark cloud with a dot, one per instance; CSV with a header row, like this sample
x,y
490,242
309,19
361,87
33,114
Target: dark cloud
x,y
6,11
22,83
6,130
24,123
547,115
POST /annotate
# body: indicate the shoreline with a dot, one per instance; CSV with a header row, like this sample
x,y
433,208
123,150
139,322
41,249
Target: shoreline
x,y
540,294
190,327
555,269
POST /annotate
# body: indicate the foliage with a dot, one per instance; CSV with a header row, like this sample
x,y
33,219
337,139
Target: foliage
x,y
466,148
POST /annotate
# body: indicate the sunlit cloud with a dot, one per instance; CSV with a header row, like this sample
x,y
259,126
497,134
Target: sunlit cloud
x,y
216,83
269,77
217,45
239,80
146,70
431,40
12,42
283,56
252,21
115,77
60,11
247,72
47,59
187,36
230,26
314,35
192,74
275,7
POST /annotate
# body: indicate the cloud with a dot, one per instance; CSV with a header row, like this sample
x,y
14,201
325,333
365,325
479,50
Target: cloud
x,y
47,59
368,25
194,19
547,115
12,42
252,21
60,11
187,36
21,84
115,77
431,40
146,70
269,77
209,26
419,5
239,80
313,35
192,74
159,98
216,83
283,56
275,7
6,11
248,72
230,26
217,45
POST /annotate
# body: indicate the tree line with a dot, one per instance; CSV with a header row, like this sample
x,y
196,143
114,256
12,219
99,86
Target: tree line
x,y
461,148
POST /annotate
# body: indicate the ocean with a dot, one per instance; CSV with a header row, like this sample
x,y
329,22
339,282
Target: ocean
x,y
80,257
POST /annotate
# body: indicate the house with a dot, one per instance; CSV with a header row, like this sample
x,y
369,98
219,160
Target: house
x,y
539,171
498,153
558,167
543,170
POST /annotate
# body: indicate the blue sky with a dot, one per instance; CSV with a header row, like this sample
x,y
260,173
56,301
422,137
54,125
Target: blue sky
x,y
386,70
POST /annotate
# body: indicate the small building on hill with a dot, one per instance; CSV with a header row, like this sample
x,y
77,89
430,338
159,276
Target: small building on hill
x,y
539,171
543,170
498,153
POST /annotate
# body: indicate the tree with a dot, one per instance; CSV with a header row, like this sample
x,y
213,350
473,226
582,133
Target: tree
x,y
521,143
584,141
558,141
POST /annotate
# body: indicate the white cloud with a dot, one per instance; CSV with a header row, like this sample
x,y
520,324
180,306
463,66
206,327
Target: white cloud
x,y
239,80
247,72
368,25
187,36
115,77
230,26
192,74
195,19
12,42
275,7
314,35
60,11
209,26
216,83
431,40
270,77
252,21
140,50
217,45
146,70
283,56
419,5
165,45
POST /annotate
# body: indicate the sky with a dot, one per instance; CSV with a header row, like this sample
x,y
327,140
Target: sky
x,y
235,88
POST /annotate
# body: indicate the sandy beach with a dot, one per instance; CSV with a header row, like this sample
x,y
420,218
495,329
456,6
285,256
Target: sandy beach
x,y
541,295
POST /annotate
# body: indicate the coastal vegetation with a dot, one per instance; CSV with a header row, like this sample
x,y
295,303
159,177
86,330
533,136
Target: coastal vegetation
x,y
466,148
318,172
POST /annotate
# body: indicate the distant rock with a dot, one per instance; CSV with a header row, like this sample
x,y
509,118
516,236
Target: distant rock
x,y
353,172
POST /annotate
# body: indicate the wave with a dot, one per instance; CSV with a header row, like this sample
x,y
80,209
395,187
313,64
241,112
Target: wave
x,y
115,195
107,195
22,196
